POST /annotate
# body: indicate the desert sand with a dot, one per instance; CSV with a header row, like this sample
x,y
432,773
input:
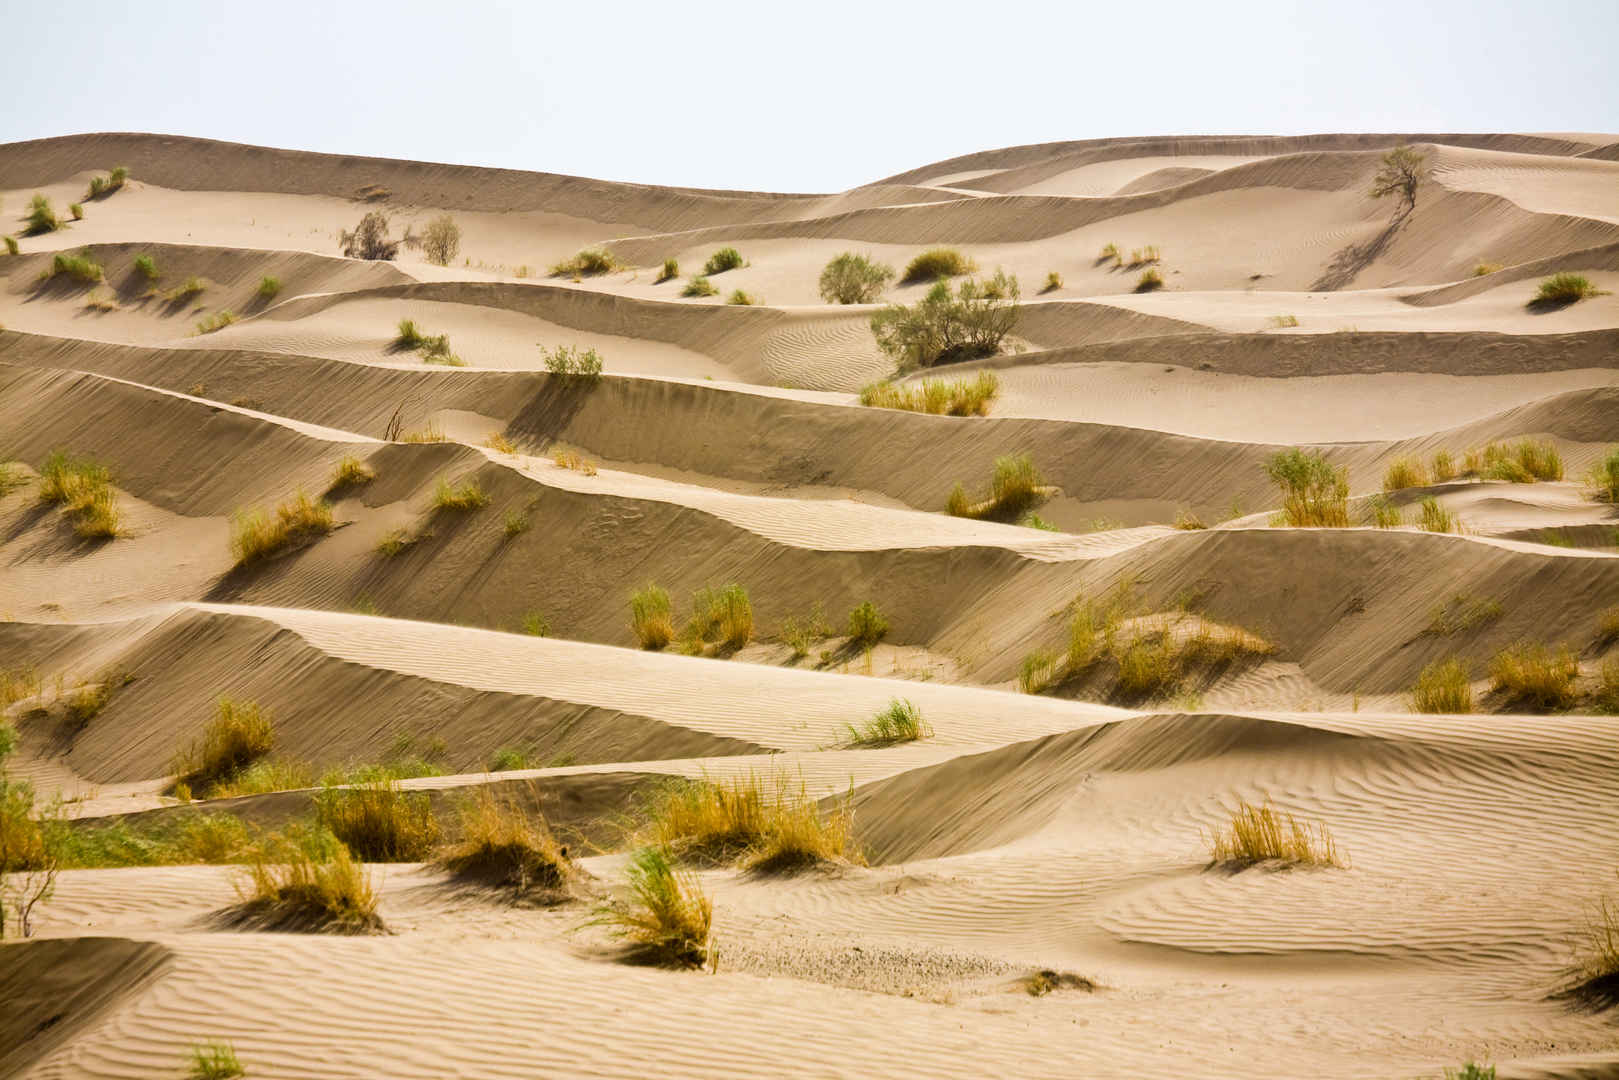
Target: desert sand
x,y
1040,828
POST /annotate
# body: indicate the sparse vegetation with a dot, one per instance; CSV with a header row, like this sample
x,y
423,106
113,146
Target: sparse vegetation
x,y
699,286
936,263
459,498
1258,834
192,286
1462,613
1399,173
1037,671
378,821
1383,513
217,321
1015,487
239,734
1484,269
146,267
939,397
1110,253
441,240
393,542
739,298
1562,289
269,288
41,217
945,326
1444,466
1149,280
854,279
764,826
1284,322
572,459
1604,477
666,917
1434,518
726,258
214,1060
897,722
670,271
1404,473
536,625
1314,493
1186,520
256,535
83,489
352,472
370,240
502,844
1471,1071
80,269
31,845
651,617
12,247
410,335
1530,673
1053,282
570,362
101,186
1523,462
800,634
1443,687
304,881
720,617
867,625
76,210
587,262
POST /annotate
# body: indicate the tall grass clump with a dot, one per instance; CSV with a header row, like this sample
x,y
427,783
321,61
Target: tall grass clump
x,y
146,268
239,734
101,186
726,258
1258,834
12,247
1383,513
41,216
378,821
1110,253
867,625
587,262
761,825
1404,473
669,271
191,287
741,298
352,472
1053,282
939,397
217,321
1149,280
76,210
854,279
937,263
269,288
1314,493
308,883
721,617
665,918
1604,477
1530,673
84,491
80,269
1443,687
1444,466
459,498
502,844
1523,462
699,285
651,616
1484,269
946,326
1564,288
1435,518
1015,487
898,722
256,535
1036,671
1596,956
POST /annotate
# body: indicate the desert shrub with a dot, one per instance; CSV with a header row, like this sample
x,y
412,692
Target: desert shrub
x,y
1053,282
1564,289
146,267
940,397
76,210
946,326
352,472
1258,834
1604,477
81,269
1031,520
239,734
306,882
1399,173
410,335
726,258
41,217
1404,473
937,263
11,245
1037,671
569,361
536,625
739,298
651,617
105,185
84,491
721,616
1110,253
12,477
1314,494
1443,687
1015,486
508,759
1187,520
217,321
214,1060
378,821
502,844
854,279
1435,518
1383,513
1529,672
1484,269
587,262
1523,462
190,287
256,535
441,240
666,917
1471,1071
899,721
461,498
269,288
669,271
867,626
370,240
800,634
699,286
758,824
98,187
1149,280
1284,322
1444,466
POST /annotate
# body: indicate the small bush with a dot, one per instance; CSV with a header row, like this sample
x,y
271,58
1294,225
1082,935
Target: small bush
x,y
192,286
900,721
939,397
240,734
1531,673
1444,466
303,882
1037,671
462,498
1443,687
867,626
854,279
379,822
763,826
651,617
740,298
393,542
587,262
352,472
269,288
441,240
1015,486
666,917
146,267
255,535
1560,289
41,217
699,286
1315,495
937,263
1605,695
945,326
508,759
1383,513
569,361
1053,282
501,844
79,268
727,258
536,625
1607,629
1264,834
1435,518
217,321
1149,280
1404,473
215,1060
11,245
370,240
670,271
1596,957
721,616
76,210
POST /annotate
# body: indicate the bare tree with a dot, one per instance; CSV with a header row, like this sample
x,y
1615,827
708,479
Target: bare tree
x,y
441,241
1402,170
369,240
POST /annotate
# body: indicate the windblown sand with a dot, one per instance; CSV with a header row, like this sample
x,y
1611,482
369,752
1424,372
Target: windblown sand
x,y
1063,831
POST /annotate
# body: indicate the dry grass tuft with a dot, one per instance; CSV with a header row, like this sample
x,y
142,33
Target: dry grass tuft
x,y
1435,518
83,489
1444,466
897,722
1284,322
937,263
1314,493
1530,673
499,443
719,617
462,498
1149,281
380,822
1443,687
502,844
670,271
938,397
698,285
768,827
217,321
1053,282
652,617
588,262
1186,520
1259,834
80,269
239,735
741,298
255,535
1596,956
572,459
1523,462
666,917
352,472
1016,486
726,258
295,882
1485,268
1404,473
1037,671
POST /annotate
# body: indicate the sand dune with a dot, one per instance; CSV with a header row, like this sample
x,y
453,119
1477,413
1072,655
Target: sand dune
x,y
1063,830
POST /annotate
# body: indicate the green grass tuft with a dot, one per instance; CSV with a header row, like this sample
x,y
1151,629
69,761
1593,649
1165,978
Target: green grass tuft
x,y
670,271
1565,288
936,263
587,262
240,734
726,258
651,617
41,217
867,626
898,722
665,918
699,286
939,397
462,498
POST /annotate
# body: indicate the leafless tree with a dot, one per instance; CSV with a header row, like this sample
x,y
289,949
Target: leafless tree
x,y
1402,170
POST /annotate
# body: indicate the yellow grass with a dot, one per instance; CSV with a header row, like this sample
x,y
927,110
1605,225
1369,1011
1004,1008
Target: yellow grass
x,y
500,443
352,472
239,734
1444,466
651,617
1037,671
765,826
1597,952
256,535
292,884
83,489
1404,473
571,459
461,498
722,617
1443,687
665,918
1532,674
1259,834
380,822
939,397
503,844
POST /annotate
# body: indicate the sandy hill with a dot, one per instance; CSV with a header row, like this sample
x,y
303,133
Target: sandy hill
x,y
1108,670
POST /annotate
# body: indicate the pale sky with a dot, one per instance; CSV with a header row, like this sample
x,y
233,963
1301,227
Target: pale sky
x,y
792,97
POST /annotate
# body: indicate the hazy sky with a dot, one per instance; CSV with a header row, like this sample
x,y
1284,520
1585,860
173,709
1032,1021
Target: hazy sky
x,y
793,97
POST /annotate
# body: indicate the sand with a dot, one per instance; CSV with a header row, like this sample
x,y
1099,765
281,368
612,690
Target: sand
x,y
1062,831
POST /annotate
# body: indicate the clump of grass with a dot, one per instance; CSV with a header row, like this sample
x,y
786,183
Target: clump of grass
x,y
239,734
1016,486
1604,477
508,759
723,617
651,617
1109,253
1471,1071
1523,462
739,298
1404,473
726,258
1149,280
1383,513
214,1060
498,442
898,722
1435,518
536,625
256,535
12,248
1607,628
83,489
867,625
269,288
854,279
378,821
217,321
76,210
666,917
800,634
410,335
572,459
1605,695
1564,288
1037,671
699,285
1484,269
936,263
459,498
393,542
191,287
1596,957
569,361
80,269
41,216
765,826
501,844
1053,282
1284,322
1530,673
1258,834
587,262
303,882
1315,494
1443,687
105,185
1187,520
352,472
939,397
1444,466
670,271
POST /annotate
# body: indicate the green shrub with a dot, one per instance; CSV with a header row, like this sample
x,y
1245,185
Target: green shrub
x,y
380,822
570,362
666,917
76,210
508,759
670,271
588,262
215,1060
11,245
651,616
240,734
269,288
1471,1071
937,263
1053,282
1315,495
1564,288
441,240
81,269
946,326
854,279
217,321
867,626
1404,473
1435,518
146,267
1149,280
41,217
465,497
106,185
1443,687
699,286
1529,672
801,634
940,397
742,299
897,722
726,258
721,616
